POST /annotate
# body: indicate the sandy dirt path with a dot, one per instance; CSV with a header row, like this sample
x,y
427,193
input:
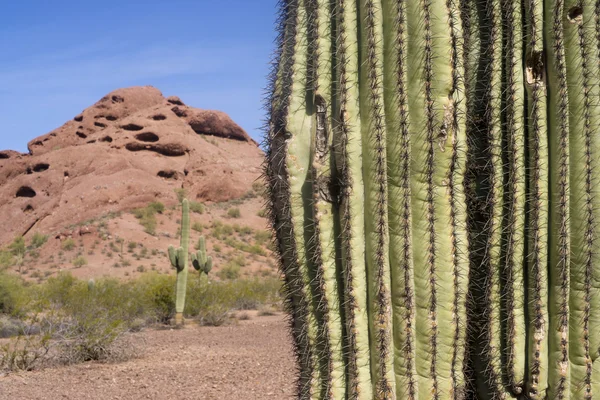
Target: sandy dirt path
x,y
250,360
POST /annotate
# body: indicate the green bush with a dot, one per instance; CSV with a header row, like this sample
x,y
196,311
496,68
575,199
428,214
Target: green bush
x,y
181,194
38,240
147,219
79,261
17,247
157,207
234,213
229,271
196,207
68,244
13,295
6,259
198,227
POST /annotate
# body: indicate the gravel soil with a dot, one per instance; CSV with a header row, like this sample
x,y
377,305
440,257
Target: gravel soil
x,y
249,360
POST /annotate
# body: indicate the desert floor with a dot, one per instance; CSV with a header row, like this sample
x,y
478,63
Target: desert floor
x,y
251,359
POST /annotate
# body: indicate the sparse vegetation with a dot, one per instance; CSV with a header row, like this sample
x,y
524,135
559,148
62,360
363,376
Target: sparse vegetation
x,y
38,240
68,244
198,227
234,212
181,194
79,261
196,207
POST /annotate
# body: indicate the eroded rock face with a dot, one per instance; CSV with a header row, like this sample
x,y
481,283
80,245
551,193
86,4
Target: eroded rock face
x,y
126,150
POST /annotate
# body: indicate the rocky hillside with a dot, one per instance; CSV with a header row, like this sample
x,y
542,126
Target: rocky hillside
x,y
132,147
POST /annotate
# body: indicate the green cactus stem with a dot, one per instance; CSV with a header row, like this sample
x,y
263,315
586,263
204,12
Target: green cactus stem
x,y
179,260
200,260
434,186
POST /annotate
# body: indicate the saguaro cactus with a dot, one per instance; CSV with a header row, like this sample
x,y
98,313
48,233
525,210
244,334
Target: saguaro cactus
x,y
200,260
433,170
179,260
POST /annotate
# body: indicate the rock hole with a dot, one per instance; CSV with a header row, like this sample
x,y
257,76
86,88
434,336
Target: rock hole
x,y
28,209
132,127
111,118
66,174
37,143
100,124
168,174
170,149
106,139
147,137
575,15
91,141
186,172
159,117
25,191
40,167
78,118
81,134
117,99
180,112
4,156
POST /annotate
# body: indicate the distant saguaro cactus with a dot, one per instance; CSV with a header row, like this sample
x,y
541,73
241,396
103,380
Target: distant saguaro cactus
x,y
200,260
434,187
179,260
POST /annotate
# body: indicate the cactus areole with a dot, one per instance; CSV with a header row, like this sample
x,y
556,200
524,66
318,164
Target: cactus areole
x,y
434,183
179,261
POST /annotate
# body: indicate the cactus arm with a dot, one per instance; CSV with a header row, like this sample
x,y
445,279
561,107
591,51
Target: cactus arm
x,y
513,291
208,265
349,162
173,257
399,207
195,261
537,224
375,179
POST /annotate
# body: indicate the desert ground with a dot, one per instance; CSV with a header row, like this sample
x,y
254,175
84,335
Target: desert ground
x,y
250,359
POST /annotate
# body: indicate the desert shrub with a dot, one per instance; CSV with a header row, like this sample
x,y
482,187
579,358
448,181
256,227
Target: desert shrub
x,y
221,230
245,247
157,207
234,212
26,352
68,244
147,218
198,227
156,294
6,259
229,271
13,295
17,247
196,207
79,261
262,237
262,213
259,188
38,240
181,194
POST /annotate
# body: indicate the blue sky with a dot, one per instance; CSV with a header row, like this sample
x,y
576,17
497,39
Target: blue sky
x,y
59,57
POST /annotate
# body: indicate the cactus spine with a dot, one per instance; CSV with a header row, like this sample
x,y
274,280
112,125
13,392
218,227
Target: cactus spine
x,y
200,260
179,260
433,168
